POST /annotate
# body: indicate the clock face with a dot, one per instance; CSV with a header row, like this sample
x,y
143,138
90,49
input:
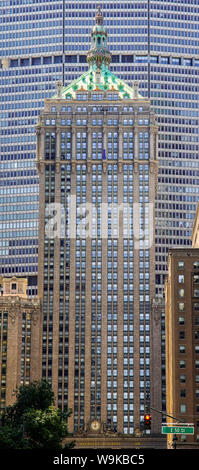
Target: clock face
x,y
95,425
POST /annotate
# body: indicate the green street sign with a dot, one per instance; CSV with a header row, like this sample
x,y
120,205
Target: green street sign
x,y
178,429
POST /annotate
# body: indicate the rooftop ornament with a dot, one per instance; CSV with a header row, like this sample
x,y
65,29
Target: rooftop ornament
x,y
99,53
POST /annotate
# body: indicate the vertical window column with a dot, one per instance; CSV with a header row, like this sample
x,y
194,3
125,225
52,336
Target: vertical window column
x,y
56,287
64,291
96,307
136,346
3,356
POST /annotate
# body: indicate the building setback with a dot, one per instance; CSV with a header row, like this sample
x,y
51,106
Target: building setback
x,y
97,143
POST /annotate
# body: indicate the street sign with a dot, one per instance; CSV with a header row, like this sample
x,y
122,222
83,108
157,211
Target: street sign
x,y
178,429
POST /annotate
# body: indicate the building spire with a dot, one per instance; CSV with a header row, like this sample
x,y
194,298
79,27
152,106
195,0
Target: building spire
x,y
99,19
99,54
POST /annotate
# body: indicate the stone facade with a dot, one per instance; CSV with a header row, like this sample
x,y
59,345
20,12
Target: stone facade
x,y
97,142
195,232
20,320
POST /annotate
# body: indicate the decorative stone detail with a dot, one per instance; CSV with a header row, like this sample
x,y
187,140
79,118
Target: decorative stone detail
x,y
120,167
89,167
35,317
12,315
104,167
157,306
57,167
135,88
59,89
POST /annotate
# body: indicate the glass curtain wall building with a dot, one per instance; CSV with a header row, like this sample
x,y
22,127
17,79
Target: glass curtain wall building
x,y
39,44
151,41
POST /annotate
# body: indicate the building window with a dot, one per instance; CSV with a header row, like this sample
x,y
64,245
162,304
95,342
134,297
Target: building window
x,y
180,264
181,292
181,278
181,334
182,349
183,379
181,306
183,408
183,365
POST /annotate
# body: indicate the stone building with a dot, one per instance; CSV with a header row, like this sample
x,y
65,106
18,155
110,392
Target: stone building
x,y
195,232
97,164
19,338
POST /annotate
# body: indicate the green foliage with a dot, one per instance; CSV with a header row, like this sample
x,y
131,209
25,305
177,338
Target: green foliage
x,y
33,422
12,438
45,429
37,395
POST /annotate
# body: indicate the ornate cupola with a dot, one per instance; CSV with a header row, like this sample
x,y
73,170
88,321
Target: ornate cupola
x,y
98,77
99,54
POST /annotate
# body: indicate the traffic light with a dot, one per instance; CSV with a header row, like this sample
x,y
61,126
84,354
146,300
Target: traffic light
x,y
147,421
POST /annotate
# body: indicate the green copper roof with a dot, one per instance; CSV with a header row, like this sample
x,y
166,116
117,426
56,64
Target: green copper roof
x,y
98,79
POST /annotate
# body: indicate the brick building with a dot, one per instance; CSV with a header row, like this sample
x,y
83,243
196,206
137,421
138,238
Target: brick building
x,y
182,340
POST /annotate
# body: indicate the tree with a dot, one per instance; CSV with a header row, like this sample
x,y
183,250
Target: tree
x,y
45,428
33,422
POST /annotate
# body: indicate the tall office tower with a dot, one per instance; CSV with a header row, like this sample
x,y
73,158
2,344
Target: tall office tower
x,y
97,163
42,42
152,41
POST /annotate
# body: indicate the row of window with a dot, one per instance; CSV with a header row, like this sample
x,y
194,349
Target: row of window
x,y
58,59
95,122
181,264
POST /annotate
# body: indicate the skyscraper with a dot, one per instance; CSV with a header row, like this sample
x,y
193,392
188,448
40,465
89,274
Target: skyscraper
x,y
97,163
151,41
43,42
